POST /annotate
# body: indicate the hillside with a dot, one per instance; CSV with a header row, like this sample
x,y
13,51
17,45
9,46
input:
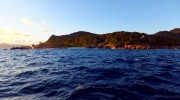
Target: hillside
x,y
175,33
5,45
119,39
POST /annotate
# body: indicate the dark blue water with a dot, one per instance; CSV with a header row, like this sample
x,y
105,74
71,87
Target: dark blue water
x,y
89,74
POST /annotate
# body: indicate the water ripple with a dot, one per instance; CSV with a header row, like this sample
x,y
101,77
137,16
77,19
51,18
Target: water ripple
x,y
93,74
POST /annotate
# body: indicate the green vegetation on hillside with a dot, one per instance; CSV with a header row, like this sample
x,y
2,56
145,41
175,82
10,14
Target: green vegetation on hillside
x,y
117,39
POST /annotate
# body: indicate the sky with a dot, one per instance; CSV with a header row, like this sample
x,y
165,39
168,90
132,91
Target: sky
x,y
32,21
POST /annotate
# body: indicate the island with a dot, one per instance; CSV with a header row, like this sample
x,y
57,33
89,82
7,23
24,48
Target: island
x,y
115,40
21,48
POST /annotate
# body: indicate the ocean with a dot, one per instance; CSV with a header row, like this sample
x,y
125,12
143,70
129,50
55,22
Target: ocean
x,y
89,74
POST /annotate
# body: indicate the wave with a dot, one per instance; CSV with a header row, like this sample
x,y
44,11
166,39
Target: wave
x,y
95,74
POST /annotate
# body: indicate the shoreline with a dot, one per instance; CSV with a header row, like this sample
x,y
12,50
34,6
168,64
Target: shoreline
x,y
128,47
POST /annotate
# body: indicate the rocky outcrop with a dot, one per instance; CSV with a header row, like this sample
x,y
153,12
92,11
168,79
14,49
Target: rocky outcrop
x,y
150,47
108,46
137,47
145,38
21,48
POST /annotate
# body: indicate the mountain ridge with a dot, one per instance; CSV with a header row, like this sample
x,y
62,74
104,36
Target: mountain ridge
x,y
119,39
6,45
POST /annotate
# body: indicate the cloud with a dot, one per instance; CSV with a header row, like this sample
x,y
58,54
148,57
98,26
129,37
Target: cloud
x,y
27,21
1,31
42,25
45,30
45,26
44,22
12,35
12,32
20,34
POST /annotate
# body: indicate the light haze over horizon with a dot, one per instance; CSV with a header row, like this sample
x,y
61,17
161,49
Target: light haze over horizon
x,y
31,21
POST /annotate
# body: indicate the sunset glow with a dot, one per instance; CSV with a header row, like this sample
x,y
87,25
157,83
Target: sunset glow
x,y
32,21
